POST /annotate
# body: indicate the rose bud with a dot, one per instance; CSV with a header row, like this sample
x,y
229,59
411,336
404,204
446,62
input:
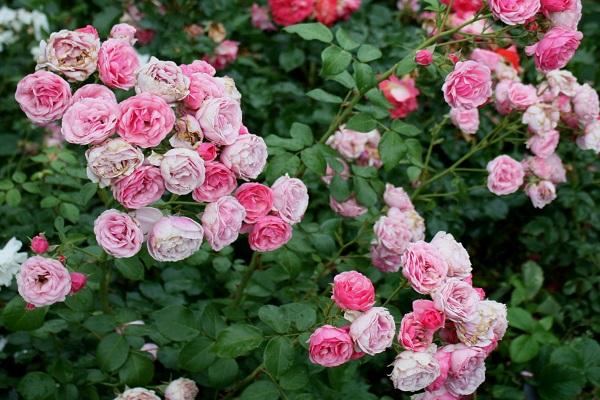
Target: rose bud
x,y
424,57
39,244
78,281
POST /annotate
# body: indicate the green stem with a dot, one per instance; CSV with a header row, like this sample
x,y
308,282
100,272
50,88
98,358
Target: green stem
x,y
241,384
395,292
237,298
104,284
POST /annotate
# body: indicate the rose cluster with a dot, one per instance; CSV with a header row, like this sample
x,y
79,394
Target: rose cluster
x,y
290,12
371,330
178,389
181,132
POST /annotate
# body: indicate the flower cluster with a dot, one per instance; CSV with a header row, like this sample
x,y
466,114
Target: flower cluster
x,y
290,12
181,133
178,389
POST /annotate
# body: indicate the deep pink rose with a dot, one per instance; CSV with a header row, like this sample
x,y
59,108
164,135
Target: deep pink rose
x,y
220,120
505,175
468,86
246,157
467,120
207,151
182,170
397,197
290,198
198,66
556,48
514,12
424,267
544,145
556,5
402,94
424,57
373,331
541,193
426,313
117,64
43,281
456,298
93,91
118,234
43,96
39,244
413,335
124,32
290,12
269,233
78,282
256,198
202,86
141,188
219,181
90,121
349,208
521,96
330,346
353,291
461,6
222,221
174,238
145,121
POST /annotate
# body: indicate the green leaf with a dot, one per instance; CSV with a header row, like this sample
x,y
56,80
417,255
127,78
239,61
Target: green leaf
x,y
223,372
406,65
275,318
345,40
70,212
260,390
335,60
344,78
361,122
391,149
282,164
523,348
314,160
321,95
405,129
13,198
138,370
104,19
278,355
19,177
559,382
521,319
6,184
294,379
363,76
413,173
36,386
87,192
303,316
49,202
533,278
364,192
291,59
302,133
376,97
237,340
131,268
339,188
112,352
16,317
176,323
368,53
311,31
197,355
414,151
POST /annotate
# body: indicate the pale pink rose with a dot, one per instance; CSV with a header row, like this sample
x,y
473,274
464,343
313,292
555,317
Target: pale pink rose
x,y
562,81
467,120
224,54
137,394
231,90
43,96
568,18
384,259
467,383
73,54
541,193
269,233
393,233
290,198
208,151
219,181
439,394
456,298
353,291
118,234
412,220
93,91
246,156
413,334
350,144
330,346
426,313
78,282
408,5
466,369
486,325
488,58
459,264
222,221
349,208
521,96
514,12
174,238
182,170
544,145
43,281
187,133
549,168
260,18
202,86
340,168
507,72
142,187
555,49
145,121
220,120
424,267
198,66
478,27
586,104
117,64
402,94
468,86
370,156
152,349
443,358
541,118
112,159
505,175
397,197
124,32
591,138
181,389
257,200
555,5
163,79
146,217
415,370
90,121
424,57
502,103
373,331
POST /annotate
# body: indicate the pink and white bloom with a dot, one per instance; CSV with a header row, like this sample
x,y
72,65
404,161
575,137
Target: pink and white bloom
x,y
424,267
349,208
222,222
568,18
541,118
486,325
521,96
544,145
138,394
246,156
182,170
414,371
112,159
590,140
93,91
220,120
164,79
118,234
174,238
43,281
397,197
146,217
124,32
456,298
402,94
541,193
219,181
467,120
562,81
468,86
290,198
586,104
457,257
181,389
488,58
506,175
373,331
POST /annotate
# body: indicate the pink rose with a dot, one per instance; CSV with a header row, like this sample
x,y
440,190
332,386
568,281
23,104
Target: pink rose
x,y
541,118
89,29
590,140
198,66
138,394
151,349
142,187
414,370
117,64
43,281
220,120
562,81
413,335
349,208
456,298
384,259
222,221
174,238
269,233
224,54
112,159
586,104
124,32
118,234
246,157
353,291
556,48
290,12
330,346
145,121
479,27
486,57
426,313
93,91
412,220
90,121
182,170
424,267
467,369
443,358
163,79
373,331
202,86
78,282
146,217
340,168
468,86
502,104
568,18
350,144
257,200
521,96
541,193
424,57
402,94
290,198
260,18
207,151
459,264
397,197
465,120
181,389
514,12
505,175
544,145
219,181
73,54
439,394
43,96
549,168
485,326
462,6
393,233
555,5
39,244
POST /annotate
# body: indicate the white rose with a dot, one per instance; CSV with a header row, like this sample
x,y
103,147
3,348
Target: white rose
x,y
373,331
112,159
181,389
415,370
591,138
10,261
137,394
541,118
562,81
174,238
487,324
